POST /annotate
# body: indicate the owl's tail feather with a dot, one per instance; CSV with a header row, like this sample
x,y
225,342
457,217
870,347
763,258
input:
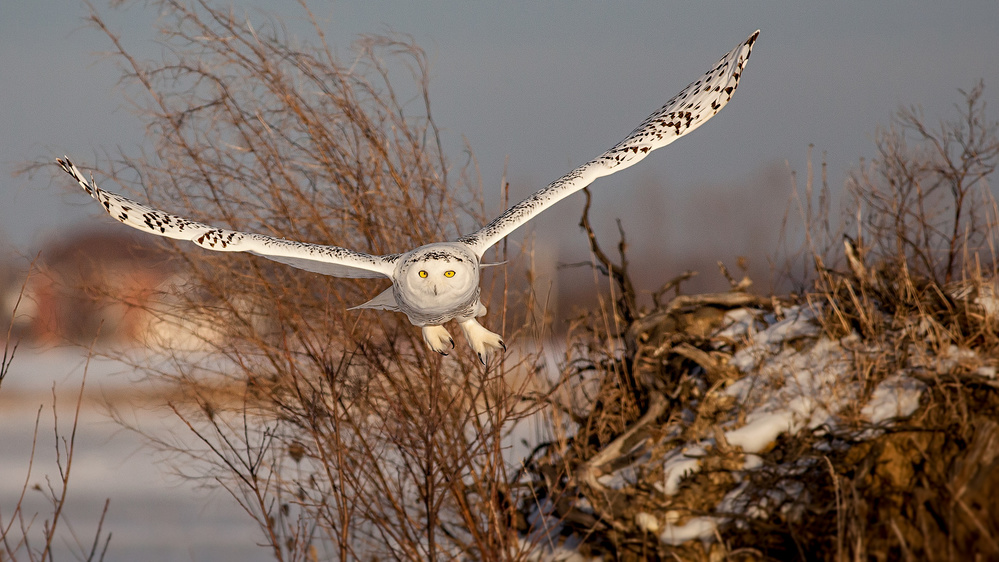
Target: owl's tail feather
x,y
384,301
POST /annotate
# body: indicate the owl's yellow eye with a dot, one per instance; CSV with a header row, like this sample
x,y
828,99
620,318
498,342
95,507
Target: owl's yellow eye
x,y
423,273
449,273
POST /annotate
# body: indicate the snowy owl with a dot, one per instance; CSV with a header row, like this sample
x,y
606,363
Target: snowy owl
x,y
439,282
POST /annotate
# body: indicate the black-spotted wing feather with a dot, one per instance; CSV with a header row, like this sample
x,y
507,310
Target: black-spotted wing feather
x,y
686,111
328,260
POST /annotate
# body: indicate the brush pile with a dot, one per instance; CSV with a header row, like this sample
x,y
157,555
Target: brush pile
x,y
862,421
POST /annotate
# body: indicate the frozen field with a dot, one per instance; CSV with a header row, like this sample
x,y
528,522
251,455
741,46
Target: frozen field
x,y
153,515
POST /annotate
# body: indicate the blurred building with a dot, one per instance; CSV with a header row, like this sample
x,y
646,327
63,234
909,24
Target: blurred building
x,y
97,284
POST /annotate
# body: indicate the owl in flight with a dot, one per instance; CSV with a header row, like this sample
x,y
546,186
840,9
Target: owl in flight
x,y
439,282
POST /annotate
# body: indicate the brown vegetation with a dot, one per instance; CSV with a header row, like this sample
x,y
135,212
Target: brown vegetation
x,y
343,437
339,433
916,302
27,535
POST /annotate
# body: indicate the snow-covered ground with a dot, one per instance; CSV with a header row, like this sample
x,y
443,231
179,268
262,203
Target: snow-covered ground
x,y
152,515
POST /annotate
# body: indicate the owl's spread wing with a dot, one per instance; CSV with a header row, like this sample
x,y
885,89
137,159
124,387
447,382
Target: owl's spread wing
x,y
328,260
686,111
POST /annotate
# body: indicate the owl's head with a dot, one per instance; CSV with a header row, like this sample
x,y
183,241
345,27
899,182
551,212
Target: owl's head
x,y
437,276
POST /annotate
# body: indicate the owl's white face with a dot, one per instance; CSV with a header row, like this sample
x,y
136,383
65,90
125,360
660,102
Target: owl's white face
x,y
437,278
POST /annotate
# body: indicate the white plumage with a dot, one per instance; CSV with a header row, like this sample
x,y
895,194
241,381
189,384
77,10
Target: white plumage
x,y
439,282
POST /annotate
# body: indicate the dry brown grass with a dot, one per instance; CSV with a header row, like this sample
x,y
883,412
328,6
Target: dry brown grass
x,y
901,296
922,253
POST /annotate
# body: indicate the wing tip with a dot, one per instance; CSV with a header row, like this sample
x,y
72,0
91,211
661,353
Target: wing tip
x,y
70,168
67,165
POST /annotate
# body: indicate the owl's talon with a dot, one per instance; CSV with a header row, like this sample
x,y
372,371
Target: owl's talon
x,y
437,338
482,340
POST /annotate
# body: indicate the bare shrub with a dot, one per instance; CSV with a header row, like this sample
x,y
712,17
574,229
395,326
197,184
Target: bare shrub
x,y
918,228
20,535
925,200
338,432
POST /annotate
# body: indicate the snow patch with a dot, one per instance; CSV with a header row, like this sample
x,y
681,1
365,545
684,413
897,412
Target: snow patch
x,y
798,323
758,434
895,397
680,463
740,323
703,528
647,522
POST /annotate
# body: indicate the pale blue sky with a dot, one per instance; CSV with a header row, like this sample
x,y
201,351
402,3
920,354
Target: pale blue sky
x,y
549,84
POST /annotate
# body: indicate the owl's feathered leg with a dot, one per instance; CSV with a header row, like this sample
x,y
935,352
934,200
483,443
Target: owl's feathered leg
x,y
438,339
482,340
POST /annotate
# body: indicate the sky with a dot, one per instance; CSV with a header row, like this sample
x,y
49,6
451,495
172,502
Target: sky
x,y
540,87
